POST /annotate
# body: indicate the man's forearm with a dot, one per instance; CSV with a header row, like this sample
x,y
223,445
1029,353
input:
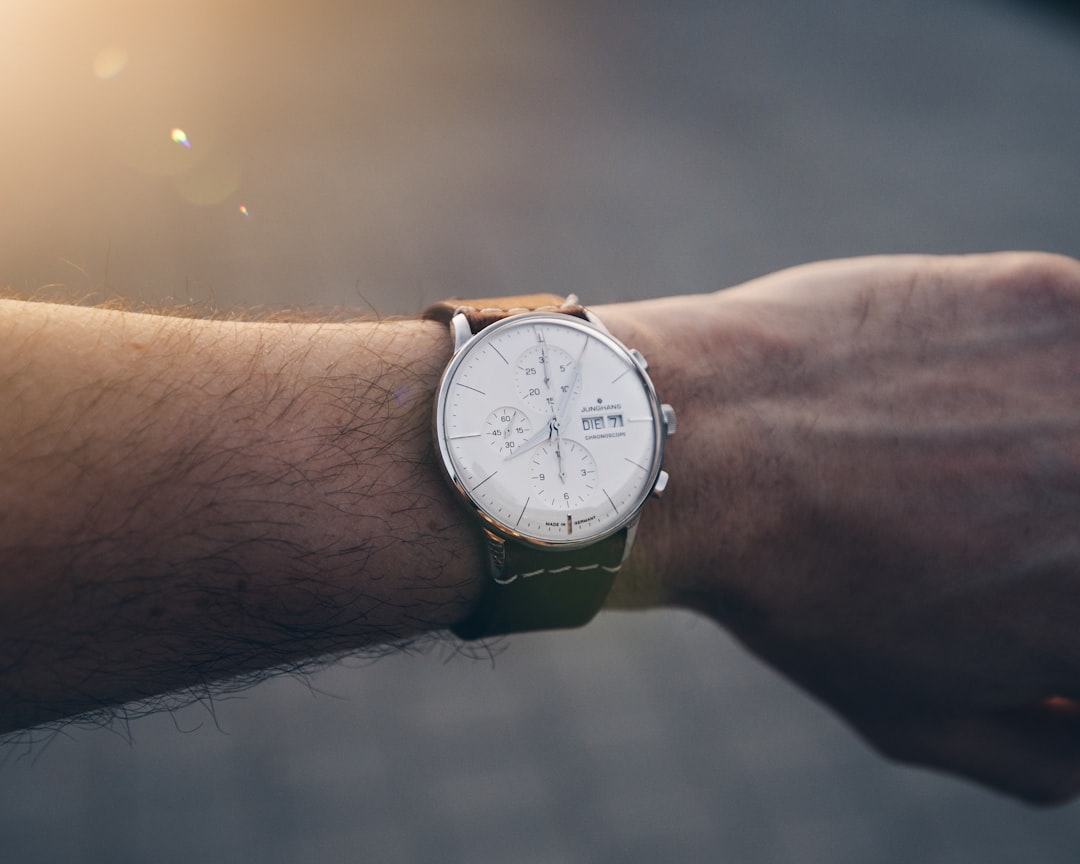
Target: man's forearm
x,y
874,486
185,500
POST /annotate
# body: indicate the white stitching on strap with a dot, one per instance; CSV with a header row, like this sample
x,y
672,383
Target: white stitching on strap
x,y
553,571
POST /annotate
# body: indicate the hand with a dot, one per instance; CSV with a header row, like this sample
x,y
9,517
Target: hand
x,y
876,487
564,403
542,434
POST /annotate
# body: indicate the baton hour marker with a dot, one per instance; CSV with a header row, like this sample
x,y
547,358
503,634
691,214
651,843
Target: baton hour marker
x,y
482,482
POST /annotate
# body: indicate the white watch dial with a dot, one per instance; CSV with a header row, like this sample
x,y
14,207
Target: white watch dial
x,y
550,428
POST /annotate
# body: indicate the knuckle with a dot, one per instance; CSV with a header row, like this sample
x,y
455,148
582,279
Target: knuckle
x,y
1045,275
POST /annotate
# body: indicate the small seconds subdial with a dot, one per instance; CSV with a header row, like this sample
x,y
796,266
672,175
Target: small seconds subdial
x,y
506,429
563,474
544,375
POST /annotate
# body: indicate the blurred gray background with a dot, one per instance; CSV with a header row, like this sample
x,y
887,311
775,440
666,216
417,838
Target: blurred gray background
x,y
385,154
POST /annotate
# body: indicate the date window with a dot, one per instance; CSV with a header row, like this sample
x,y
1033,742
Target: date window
x,y
592,423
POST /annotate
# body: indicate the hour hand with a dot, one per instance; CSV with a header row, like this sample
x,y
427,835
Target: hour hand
x,y
540,435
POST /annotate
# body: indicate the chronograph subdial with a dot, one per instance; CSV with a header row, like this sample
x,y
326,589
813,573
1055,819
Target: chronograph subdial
x,y
506,429
563,474
544,375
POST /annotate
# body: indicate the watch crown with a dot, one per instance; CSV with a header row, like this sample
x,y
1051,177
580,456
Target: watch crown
x,y
660,485
669,418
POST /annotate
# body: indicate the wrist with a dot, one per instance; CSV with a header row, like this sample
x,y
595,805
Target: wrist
x,y
703,544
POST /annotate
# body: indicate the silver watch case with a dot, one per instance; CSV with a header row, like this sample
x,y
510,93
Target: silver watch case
x,y
465,341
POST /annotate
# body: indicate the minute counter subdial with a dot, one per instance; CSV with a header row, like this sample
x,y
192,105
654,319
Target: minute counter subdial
x,y
544,375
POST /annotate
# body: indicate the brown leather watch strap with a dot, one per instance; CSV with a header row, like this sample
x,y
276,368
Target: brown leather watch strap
x,y
537,589
481,313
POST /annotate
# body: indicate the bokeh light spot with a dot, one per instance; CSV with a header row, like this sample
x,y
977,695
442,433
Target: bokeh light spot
x,y
110,62
179,136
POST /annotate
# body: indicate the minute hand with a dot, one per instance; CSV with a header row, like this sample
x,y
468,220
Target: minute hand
x,y
554,425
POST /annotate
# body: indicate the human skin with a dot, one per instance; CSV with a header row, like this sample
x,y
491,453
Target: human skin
x,y
874,486
888,451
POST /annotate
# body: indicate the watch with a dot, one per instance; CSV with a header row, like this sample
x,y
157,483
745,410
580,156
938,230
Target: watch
x,y
551,432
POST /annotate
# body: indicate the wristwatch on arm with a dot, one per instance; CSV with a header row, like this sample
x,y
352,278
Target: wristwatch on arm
x,y
551,431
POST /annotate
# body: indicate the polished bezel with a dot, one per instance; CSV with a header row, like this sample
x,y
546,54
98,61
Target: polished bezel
x,y
633,362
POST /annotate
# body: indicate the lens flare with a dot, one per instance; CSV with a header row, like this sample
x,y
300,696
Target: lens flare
x,y
179,136
244,211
